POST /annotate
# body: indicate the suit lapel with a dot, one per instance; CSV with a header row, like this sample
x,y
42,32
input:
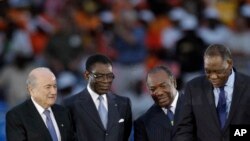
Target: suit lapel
x,y
208,90
160,118
88,105
237,92
36,118
113,113
178,105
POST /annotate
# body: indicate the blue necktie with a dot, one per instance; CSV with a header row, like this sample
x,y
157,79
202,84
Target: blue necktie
x,y
170,115
103,112
50,125
222,107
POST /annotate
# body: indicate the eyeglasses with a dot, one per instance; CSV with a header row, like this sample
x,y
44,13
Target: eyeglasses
x,y
101,77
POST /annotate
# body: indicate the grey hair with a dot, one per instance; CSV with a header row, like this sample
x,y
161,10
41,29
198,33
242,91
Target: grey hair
x,y
218,50
162,68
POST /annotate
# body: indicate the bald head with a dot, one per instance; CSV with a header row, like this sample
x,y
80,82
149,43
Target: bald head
x,y
41,83
38,73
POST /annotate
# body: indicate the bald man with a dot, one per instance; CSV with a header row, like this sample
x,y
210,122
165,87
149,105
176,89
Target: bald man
x,y
39,118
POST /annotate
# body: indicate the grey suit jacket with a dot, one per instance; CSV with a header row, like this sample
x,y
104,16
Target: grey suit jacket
x,y
24,123
199,120
154,125
88,125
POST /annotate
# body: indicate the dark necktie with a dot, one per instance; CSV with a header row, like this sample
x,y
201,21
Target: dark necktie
x,y
222,107
170,115
103,112
50,125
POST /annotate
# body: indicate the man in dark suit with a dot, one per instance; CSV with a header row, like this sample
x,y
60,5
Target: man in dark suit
x,y
97,113
38,118
215,101
157,124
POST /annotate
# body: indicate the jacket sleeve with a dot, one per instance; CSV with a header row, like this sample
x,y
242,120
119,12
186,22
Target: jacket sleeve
x,y
140,133
128,121
185,128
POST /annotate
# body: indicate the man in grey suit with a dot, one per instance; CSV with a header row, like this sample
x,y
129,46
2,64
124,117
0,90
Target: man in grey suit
x,y
157,124
215,101
97,113
39,118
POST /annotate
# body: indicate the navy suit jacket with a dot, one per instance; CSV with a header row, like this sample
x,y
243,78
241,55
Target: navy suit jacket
x,y
199,120
154,125
88,125
24,123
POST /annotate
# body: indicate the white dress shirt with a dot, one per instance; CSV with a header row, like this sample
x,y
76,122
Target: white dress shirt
x,y
95,96
40,109
173,105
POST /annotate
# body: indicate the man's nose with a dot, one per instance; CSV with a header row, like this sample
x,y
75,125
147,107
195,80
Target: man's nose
x,y
158,92
213,75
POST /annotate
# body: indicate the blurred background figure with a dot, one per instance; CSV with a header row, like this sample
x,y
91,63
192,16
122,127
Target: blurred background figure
x,y
12,78
67,86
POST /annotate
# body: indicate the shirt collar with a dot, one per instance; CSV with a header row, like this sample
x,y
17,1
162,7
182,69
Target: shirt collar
x,y
231,78
39,108
173,104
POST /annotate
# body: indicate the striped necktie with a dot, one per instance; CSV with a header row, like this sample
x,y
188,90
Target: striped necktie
x,y
170,115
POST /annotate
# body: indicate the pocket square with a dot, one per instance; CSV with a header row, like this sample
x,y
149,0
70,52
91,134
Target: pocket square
x,y
121,120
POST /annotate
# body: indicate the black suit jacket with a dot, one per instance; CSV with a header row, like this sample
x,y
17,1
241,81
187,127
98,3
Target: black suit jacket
x,y
24,123
88,125
154,125
199,120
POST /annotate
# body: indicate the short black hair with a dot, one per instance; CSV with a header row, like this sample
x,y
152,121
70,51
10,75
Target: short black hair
x,y
97,58
218,50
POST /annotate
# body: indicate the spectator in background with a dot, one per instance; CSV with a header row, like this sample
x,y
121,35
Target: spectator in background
x,y
189,49
212,29
170,35
214,101
12,78
238,42
64,51
68,85
157,124
129,35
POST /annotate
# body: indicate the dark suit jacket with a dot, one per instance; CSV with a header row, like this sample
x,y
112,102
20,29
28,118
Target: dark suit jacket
x,y
24,123
199,118
87,121
154,125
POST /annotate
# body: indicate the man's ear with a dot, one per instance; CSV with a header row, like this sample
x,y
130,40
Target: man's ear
x,y
86,75
29,89
175,83
230,62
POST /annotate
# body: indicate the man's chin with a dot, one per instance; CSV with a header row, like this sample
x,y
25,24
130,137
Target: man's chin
x,y
102,92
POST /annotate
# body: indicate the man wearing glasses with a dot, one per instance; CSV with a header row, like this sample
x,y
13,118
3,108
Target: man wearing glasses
x,y
215,101
97,113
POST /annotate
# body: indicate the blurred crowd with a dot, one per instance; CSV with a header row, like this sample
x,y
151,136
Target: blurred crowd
x,y
135,34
